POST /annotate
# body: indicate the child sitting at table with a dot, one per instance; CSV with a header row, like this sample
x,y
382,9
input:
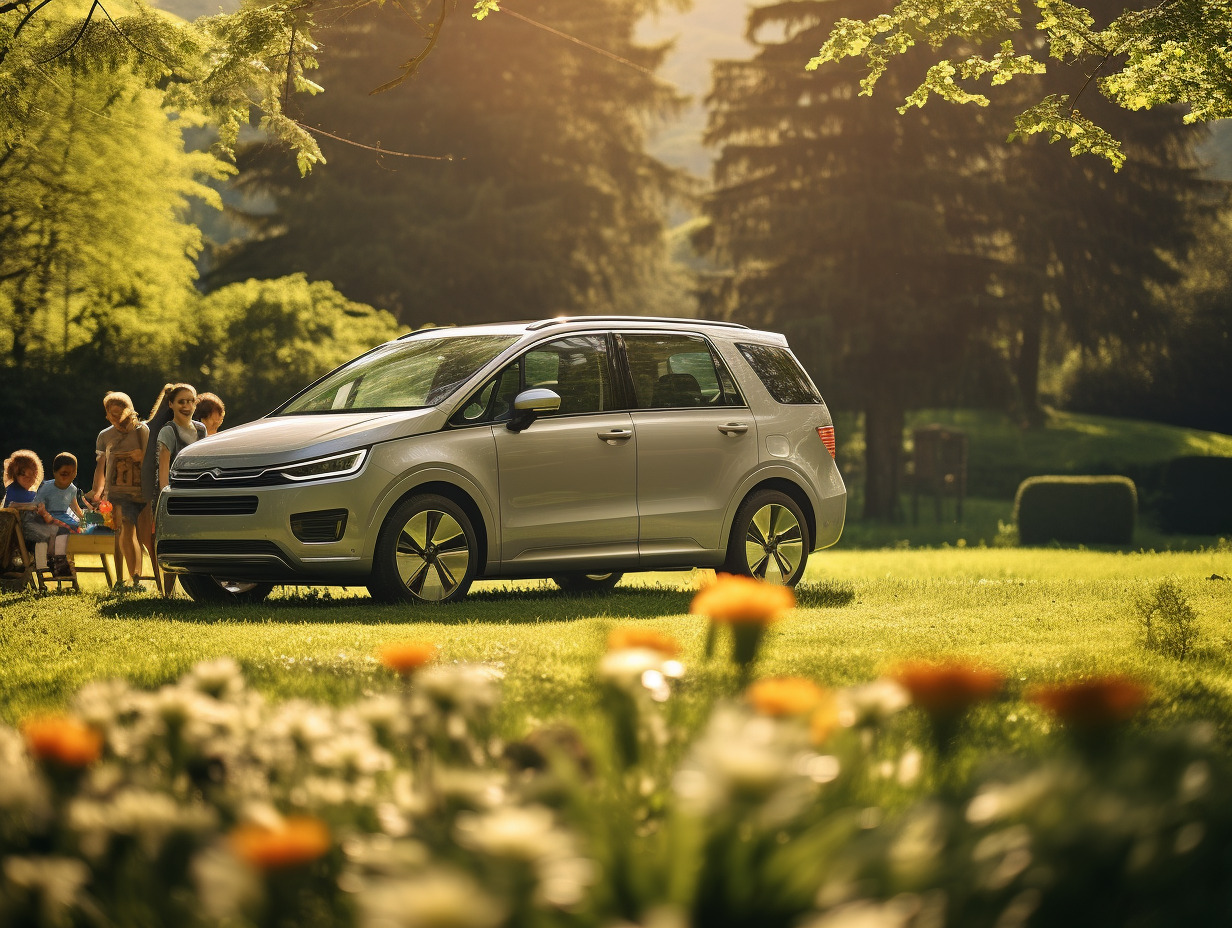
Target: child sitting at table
x,y
56,504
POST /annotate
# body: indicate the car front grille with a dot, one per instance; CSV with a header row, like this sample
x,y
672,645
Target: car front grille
x,y
212,505
225,478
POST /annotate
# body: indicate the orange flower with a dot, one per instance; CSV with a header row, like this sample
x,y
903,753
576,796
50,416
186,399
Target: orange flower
x,y
1092,703
949,689
405,657
783,696
626,637
825,719
735,599
62,739
294,841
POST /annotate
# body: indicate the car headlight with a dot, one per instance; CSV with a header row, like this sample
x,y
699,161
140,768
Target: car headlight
x,y
338,465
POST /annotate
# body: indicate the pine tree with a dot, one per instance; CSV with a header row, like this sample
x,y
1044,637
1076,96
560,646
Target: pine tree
x,y
530,192
857,229
1091,245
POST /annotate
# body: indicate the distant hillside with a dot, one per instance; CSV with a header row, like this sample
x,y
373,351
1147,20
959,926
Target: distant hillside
x,y
712,30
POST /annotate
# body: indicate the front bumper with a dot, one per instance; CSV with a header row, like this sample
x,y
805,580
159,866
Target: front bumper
x,y
258,533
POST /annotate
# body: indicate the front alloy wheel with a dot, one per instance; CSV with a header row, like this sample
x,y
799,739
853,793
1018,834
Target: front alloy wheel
x,y
426,553
769,539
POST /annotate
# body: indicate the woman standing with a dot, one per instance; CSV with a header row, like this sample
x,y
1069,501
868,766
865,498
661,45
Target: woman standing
x,y
176,430
180,432
119,451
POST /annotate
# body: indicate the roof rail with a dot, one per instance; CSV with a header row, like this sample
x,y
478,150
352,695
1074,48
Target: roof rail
x,y
424,331
562,320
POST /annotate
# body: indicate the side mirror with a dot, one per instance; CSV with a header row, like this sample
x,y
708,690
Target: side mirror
x,y
529,405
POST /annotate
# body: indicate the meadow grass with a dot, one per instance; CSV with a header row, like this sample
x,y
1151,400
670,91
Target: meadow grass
x,y
1036,615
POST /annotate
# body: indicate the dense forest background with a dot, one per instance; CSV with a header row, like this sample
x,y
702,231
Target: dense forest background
x,y
590,156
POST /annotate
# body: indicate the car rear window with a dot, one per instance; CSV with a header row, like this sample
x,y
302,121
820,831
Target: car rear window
x,y
782,374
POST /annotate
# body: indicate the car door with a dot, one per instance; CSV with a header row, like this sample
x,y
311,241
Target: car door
x,y
696,441
568,483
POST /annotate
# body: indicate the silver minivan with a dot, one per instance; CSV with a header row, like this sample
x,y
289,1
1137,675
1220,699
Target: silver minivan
x,y
576,449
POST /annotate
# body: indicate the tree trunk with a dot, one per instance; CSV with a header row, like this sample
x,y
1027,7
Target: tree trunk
x,y
883,447
1027,369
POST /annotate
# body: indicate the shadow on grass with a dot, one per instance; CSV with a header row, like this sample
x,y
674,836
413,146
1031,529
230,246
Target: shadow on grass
x,y
824,595
480,607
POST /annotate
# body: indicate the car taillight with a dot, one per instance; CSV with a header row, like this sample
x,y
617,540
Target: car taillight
x,y
826,434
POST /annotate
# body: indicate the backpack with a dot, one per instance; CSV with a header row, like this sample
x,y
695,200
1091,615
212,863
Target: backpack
x,y
149,464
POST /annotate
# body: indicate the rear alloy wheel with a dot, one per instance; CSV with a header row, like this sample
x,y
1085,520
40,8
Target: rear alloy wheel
x,y
587,583
426,553
769,539
204,588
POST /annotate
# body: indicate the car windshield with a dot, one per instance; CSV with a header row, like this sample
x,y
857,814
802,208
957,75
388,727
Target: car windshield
x,y
422,371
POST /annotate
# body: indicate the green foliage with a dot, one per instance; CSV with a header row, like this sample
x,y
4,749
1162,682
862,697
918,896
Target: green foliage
x,y
1196,495
1168,620
1166,54
92,239
485,7
1052,116
1084,510
257,343
1180,377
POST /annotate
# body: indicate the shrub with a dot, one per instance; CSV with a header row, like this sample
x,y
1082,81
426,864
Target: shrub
x,y
1083,510
1169,623
1196,496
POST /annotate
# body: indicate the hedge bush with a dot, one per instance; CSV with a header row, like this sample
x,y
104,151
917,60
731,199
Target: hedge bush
x,y
1082,510
1196,496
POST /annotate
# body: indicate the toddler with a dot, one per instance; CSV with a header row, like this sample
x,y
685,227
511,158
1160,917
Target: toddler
x,y
23,471
56,504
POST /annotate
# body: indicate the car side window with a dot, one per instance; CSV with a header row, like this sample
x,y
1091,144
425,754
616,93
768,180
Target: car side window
x,y
677,371
782,374
576,368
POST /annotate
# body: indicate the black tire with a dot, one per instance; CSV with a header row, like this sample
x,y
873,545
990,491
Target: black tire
x,y
769,539
204,588
427,552
587,583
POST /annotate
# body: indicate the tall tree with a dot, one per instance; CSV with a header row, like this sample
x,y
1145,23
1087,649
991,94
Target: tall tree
x,y
86,228
529,191
856,228
1090,245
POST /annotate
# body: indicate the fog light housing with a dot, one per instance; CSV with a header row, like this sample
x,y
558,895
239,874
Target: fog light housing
x,y
320,527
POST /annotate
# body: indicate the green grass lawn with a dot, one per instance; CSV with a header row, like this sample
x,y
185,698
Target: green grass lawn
x,y
1119,820
1037,615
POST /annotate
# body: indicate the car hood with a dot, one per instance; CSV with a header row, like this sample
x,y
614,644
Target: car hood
x,y
286,439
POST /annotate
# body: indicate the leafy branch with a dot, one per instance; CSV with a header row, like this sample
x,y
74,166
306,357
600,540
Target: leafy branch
x,y
1178,52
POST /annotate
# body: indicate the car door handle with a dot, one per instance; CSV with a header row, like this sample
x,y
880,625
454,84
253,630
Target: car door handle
x,y
733,428
616,435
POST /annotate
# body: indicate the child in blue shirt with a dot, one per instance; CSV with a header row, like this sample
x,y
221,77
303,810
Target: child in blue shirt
x,y
56,504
